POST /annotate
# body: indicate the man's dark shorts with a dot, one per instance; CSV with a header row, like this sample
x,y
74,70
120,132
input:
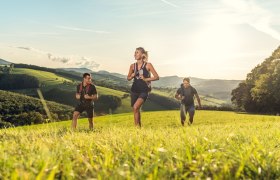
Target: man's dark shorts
x,y
190,108
134,96
85,107
184,109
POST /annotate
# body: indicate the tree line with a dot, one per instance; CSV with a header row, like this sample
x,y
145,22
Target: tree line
x,y
259,93
18,81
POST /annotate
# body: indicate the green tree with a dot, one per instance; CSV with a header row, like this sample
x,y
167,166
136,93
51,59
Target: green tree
x,y
260,91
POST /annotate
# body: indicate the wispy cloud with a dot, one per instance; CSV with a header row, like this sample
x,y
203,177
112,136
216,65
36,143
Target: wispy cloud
x,y
87,62
45,33
74,61
253,14
82,29
169,3
25,48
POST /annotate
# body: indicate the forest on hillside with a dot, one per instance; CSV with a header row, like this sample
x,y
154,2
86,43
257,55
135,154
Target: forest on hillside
x,y
18,110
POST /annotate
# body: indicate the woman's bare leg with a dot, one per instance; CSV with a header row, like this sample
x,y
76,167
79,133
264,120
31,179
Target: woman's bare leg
x,y
136,111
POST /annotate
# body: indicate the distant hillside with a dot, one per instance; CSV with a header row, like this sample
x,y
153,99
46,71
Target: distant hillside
x,y
218,88
86,70
113,74
78,70
175,81
4,62
100,73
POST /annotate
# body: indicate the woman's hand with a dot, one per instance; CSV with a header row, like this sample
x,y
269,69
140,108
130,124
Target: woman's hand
x,y
132,75
144,79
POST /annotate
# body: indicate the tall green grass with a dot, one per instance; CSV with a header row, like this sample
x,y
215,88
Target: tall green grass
x,y
219,145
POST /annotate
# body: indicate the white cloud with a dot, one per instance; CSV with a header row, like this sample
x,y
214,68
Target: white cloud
x,y
70,61
82,29
249,12
170,4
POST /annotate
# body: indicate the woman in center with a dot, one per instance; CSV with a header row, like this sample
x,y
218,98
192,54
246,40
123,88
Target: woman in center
x,y
141,73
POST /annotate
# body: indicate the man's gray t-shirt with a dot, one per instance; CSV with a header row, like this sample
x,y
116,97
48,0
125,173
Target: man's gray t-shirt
x,y
188,93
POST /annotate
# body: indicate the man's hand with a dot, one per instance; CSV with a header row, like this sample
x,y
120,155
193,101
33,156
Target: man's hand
x,y
179,97
182,97
86,96
78,96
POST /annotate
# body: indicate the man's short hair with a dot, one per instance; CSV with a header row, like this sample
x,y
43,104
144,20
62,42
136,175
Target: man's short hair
x,y
186,79
85,75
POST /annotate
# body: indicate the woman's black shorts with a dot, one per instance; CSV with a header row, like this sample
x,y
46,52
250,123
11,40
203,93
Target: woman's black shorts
x,y
134,96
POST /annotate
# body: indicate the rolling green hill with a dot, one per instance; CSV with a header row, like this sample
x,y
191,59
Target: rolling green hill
x,y
45,78
51,80
219,145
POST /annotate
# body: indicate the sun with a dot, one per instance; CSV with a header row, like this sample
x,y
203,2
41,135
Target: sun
x,y
215,43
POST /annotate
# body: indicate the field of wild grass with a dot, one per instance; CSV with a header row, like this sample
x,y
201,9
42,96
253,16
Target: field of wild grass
x,y
219,145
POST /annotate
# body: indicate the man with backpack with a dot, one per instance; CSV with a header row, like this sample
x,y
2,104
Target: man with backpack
x,y
186,95
86,94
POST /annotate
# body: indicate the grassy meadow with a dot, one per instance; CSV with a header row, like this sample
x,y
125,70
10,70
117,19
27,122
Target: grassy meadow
x,y
219,145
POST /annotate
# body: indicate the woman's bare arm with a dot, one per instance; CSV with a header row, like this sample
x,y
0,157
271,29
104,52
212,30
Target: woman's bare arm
x,y
130,74
151,68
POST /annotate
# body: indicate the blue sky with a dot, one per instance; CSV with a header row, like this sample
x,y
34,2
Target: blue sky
x,y
221,39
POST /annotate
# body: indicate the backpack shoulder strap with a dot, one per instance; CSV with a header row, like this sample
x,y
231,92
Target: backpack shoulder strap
x,y
182,90
135,68
87,88
81,87
143,65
